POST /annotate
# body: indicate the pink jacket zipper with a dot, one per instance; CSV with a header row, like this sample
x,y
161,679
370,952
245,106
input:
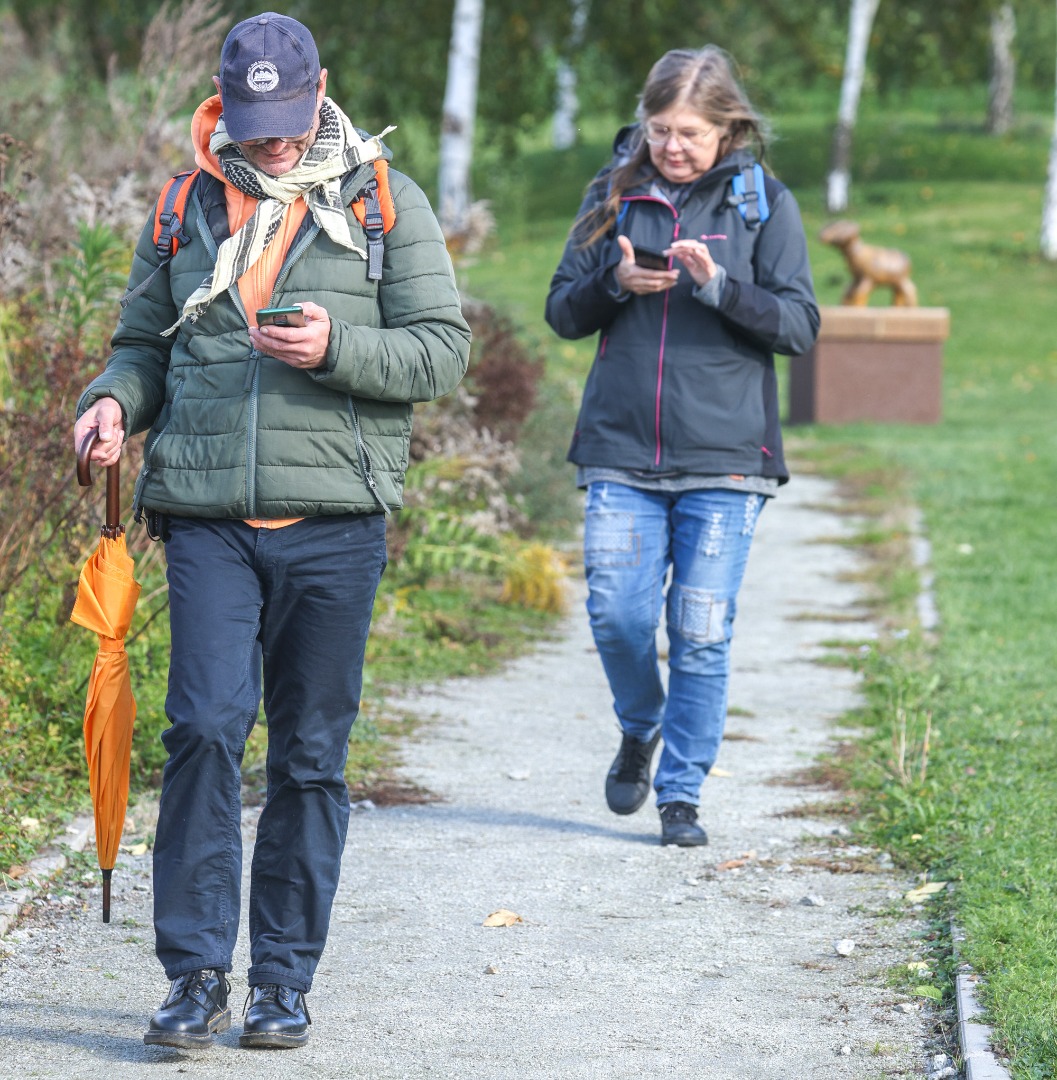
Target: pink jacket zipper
x,y
664,329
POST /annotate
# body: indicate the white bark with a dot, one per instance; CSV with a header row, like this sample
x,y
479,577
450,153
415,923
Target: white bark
x,y
460,110
1003,70
860,22
1049,206
567,104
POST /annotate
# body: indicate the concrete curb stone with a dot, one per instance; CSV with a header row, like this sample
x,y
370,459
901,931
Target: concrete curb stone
x,y
41,870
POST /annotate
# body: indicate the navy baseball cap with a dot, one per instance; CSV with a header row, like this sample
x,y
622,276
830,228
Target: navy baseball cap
x,y
269,74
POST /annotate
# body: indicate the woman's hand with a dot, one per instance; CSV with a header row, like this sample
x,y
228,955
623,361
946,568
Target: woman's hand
x,y
301,347
696,258
637,279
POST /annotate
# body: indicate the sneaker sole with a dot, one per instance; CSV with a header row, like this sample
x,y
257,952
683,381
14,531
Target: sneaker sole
x,y
272,1040
684,841
183,1041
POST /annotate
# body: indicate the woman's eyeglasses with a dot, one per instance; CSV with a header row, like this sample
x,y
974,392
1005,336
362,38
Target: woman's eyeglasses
x,y
659,135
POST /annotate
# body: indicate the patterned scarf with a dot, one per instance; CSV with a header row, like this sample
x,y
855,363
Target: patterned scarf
x,y
338,149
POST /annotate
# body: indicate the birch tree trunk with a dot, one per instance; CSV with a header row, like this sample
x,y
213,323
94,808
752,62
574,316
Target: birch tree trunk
x,y
1003,70
567,104
460,109
838,182
1049,206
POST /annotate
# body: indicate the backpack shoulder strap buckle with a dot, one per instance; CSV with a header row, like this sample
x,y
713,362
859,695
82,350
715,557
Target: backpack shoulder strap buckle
x,y
748,194
375,210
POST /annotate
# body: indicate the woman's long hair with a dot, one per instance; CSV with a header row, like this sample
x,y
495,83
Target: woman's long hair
x,y
701,80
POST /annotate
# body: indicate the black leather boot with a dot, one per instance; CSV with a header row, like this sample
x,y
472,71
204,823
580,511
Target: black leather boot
x,y
195,1010
276,1018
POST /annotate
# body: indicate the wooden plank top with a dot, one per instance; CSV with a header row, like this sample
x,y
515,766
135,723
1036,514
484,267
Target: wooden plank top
x,y
847,323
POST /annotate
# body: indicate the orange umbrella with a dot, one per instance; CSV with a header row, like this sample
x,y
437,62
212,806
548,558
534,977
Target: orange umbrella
x,y
106,597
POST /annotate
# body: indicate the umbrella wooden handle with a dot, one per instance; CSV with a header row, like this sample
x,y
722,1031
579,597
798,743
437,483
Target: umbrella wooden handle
x,y
113,482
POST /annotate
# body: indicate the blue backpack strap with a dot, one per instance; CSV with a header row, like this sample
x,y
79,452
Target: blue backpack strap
x,y
749,195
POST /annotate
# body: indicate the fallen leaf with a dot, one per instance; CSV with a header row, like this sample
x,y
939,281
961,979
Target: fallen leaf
x,y
30,824
719,772
932,992
502,917
732,864
135,849
918,965
16,872
923,892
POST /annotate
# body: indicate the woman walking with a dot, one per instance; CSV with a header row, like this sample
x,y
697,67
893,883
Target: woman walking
x,y
691,267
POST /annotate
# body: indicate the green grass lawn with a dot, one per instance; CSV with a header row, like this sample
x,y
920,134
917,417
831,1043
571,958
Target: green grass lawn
x,y
967,209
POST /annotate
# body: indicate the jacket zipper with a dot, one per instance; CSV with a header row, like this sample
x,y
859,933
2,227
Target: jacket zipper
x,y
664,328
251,436
365,458
253,374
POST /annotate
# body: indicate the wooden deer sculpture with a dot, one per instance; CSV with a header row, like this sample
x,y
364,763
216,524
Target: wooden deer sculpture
x,y
870,266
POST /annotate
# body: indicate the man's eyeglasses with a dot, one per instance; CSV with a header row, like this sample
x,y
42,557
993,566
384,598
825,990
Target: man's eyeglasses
x,y
293,139
659,135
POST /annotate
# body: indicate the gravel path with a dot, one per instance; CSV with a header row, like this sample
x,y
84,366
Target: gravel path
x,y
630,960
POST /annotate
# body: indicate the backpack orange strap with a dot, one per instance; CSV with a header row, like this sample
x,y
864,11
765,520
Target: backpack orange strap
x,y
168,226
376,212
386,206
169,216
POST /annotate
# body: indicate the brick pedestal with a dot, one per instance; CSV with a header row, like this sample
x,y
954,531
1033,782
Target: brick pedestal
x,y
871,363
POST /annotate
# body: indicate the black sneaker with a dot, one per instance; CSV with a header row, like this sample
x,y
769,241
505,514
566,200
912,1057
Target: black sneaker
x,y
195,1010
628,782
679,825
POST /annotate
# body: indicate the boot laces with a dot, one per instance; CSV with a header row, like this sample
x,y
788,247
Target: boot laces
x,y
270,992
185,985
679,812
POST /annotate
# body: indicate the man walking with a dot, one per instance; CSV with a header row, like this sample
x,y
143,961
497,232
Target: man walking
x,y
272,454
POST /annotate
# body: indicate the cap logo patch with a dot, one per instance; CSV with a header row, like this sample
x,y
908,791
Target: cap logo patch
x,y
262,76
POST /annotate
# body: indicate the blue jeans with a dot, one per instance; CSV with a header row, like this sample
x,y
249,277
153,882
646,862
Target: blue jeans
x,y
292,605
631,540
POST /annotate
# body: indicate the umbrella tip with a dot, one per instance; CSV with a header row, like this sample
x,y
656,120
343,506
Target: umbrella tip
x,y
107,874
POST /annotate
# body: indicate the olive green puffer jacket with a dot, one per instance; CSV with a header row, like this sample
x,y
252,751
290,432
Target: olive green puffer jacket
x,y
235,434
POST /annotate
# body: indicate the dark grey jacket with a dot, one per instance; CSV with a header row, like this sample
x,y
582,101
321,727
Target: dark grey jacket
x,y
684,381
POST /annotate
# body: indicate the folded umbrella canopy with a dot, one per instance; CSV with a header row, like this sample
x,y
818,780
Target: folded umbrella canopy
x,y
106,598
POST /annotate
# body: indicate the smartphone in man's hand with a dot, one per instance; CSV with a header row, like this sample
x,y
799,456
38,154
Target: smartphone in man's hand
x,y
281,316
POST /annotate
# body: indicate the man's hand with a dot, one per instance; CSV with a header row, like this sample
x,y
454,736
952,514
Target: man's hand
x,y
104,415
302,347
637,279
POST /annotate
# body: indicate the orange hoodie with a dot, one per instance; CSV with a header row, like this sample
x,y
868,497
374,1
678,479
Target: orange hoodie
x,y
256,285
